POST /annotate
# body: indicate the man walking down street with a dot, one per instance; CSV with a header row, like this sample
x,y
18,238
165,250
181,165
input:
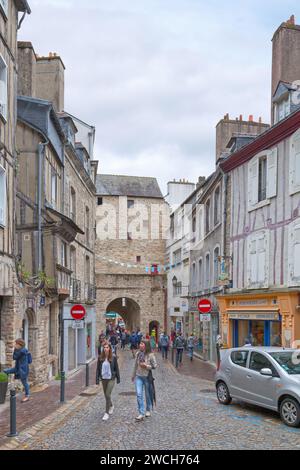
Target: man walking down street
x,y
179,346
191,345
164,343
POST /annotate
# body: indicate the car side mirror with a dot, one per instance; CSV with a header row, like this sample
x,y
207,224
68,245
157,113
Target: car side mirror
x,y
266,372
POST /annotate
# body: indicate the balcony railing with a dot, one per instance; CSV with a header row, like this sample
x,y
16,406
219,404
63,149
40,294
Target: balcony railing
x,y
75,290
63,281
89,293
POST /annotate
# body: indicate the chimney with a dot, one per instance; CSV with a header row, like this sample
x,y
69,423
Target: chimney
x,y
50,80
226,128
26,69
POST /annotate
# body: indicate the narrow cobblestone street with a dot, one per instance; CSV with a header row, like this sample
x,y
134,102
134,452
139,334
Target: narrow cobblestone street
x,y
187,416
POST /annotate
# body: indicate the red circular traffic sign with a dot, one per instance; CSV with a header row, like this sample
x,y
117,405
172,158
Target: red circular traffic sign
x,y
204,306
78,312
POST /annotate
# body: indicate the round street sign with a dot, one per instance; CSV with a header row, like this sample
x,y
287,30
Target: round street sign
x,y
78,312
204,306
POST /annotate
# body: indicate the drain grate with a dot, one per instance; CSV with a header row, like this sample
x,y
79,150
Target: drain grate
x,y
207,390
127,394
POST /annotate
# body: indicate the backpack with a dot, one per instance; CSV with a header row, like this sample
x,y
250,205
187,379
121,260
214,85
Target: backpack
x,y
29,358
179,343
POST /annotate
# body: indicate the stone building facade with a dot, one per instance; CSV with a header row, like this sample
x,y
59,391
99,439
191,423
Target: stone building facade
x,y
131,222
9,12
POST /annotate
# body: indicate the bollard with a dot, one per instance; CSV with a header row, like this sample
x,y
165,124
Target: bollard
x,y
62,386
13,414
87,374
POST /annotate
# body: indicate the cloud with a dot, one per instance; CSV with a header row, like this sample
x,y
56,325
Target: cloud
x,y
156,76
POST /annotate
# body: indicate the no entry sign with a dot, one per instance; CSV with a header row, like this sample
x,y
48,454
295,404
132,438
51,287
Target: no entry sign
x,y
78,312
204,306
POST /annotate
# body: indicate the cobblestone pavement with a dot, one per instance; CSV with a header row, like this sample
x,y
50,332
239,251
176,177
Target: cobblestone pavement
x,y
187,416
43,402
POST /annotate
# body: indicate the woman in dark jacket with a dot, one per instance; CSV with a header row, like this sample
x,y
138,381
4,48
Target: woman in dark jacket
x,y
21,370
108,373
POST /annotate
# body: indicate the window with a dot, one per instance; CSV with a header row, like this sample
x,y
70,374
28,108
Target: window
x,y
130,204
177,257
64,254
216,266
200,274
207,217
295,163
73,261
99,201
194,277
87,226
240,358
53,189
194,225
283,109
258,260
294,253
259,361
207,271
87,270
138,259
4,6
262,179
73,205
3,196
217,206
3,87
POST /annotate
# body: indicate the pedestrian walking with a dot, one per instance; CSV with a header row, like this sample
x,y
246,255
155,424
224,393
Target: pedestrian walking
x,y
190,345
179,346
164,344
123,339
153,340
133,343
23,359
144,363
113,339
108,372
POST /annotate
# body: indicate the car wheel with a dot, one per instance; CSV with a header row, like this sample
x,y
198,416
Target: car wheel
x,y
223,394
290,412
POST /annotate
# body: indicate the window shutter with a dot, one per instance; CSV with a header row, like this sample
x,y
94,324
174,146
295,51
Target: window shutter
x,y
253,262
272,162
261,259
294,253
3,196
295,164
253,183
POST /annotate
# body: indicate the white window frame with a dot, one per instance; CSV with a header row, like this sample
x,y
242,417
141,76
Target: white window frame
x,y
253,178
216,222
207,278
3,88
200,273
216,266
3,203
54,197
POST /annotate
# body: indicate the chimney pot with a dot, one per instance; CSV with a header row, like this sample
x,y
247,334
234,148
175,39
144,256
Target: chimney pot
x,y
241,117
260,120
251,118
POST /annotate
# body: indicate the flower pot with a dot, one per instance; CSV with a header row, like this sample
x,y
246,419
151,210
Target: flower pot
x,y
3,392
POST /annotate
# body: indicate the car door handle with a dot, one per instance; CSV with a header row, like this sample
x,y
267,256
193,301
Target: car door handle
x,y
249,376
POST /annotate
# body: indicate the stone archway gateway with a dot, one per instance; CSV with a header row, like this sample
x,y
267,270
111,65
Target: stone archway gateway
x,y
128,309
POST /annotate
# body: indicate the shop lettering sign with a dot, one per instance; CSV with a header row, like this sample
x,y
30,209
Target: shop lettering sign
x,y
254,316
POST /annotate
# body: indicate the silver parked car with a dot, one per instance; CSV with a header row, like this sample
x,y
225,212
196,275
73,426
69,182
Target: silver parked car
x,y
263,376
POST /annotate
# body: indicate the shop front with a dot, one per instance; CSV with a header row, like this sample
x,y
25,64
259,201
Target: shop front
x,y
264,319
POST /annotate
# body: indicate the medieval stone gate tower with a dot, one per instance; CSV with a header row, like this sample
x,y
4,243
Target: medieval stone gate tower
x,y
131,223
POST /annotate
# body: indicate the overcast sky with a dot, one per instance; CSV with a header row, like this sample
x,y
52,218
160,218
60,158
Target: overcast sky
x,y
155,76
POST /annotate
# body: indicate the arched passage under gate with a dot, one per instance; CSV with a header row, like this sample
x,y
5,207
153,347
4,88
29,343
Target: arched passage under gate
x,y
129,310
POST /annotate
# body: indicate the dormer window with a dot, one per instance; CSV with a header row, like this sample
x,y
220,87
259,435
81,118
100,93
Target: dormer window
x,y
282,109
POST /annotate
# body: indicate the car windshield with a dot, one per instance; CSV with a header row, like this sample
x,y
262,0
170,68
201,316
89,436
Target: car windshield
x,y
288,360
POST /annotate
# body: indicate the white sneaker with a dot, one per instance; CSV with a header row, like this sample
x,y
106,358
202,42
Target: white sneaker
x,y
105,417
148,414
111,410
139,418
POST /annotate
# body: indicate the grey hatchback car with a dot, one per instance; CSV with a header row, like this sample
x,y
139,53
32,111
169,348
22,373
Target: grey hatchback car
x,y
265,376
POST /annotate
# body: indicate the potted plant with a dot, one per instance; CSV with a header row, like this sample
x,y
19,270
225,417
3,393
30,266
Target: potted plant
x,y
3,387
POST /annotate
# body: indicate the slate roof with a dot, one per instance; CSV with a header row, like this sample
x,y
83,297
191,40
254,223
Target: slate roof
x,y
22,5
135,186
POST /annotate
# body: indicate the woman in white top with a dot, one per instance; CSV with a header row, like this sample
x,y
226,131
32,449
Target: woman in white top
x,y
108,373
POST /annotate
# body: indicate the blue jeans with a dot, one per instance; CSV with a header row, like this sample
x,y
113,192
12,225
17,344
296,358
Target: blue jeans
x,y
191,352
164,350
140,384
178,356
24,381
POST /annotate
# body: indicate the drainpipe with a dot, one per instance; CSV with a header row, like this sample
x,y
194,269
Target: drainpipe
x,y
41,150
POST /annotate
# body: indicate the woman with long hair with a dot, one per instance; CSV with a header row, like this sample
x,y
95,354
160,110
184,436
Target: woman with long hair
x,y
142,376
108,373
